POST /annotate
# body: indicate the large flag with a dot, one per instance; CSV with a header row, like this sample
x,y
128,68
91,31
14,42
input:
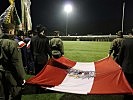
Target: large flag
x,y
7,15
101,77
11,1
21,44
26,18
11,16
16,20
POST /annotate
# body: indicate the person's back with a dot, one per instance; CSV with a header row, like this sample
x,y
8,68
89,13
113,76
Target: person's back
x,y
125,60
126,55
116,45
13,71
40,49
13,67
14,61
57,46
39,45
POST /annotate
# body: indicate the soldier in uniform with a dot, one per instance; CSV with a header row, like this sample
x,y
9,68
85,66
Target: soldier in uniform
x,y
40,48
115,46
125,58
56,45
11,71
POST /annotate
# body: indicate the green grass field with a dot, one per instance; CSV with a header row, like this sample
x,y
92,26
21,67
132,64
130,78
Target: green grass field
x,y
81,51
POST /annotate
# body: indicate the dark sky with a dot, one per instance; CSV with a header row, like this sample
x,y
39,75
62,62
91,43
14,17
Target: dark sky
x,y
88,16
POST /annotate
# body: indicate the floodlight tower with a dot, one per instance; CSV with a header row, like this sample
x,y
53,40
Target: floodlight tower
x,y
123,15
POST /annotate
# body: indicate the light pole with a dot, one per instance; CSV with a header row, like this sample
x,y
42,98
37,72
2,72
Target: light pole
x,y
123,15
67,9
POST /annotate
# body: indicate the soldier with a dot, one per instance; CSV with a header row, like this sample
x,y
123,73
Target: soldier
x,y
40,48
56,45
11,71
115,46
125,58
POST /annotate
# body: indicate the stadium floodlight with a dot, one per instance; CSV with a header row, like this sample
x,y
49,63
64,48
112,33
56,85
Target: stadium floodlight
x,y
67,9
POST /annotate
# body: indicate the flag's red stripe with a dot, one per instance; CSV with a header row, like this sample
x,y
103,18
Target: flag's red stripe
x,y
109,78
52,75
67,62
49,75
21,45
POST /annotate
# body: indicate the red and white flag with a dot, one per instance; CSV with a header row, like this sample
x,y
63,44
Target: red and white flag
x,y
21,44
28,45
101,77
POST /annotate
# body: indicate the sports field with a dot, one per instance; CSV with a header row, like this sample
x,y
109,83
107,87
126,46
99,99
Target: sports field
x,y
81,51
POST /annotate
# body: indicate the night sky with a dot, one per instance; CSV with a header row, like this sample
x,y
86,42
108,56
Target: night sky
x,y
87,17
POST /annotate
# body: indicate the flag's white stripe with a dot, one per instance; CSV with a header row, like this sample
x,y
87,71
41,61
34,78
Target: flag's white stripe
x,y
28,44
20,42
73,84
85,66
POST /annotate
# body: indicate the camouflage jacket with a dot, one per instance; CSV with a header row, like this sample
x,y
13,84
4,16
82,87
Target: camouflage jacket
x,y
115,47
13,61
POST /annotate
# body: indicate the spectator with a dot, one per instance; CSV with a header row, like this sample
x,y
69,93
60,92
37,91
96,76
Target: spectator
x,y
40,48
11,70
125,59
56,45
115,46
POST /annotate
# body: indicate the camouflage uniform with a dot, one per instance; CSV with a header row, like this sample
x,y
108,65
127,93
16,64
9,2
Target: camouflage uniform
x,y
12,74
115,47
56,45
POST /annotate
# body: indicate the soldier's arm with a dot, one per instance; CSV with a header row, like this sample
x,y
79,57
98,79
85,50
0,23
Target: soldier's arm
x,y
48,48
121,54
62,47
112,46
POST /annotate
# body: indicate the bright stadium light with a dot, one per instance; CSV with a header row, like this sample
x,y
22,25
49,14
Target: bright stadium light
x,y
67,9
